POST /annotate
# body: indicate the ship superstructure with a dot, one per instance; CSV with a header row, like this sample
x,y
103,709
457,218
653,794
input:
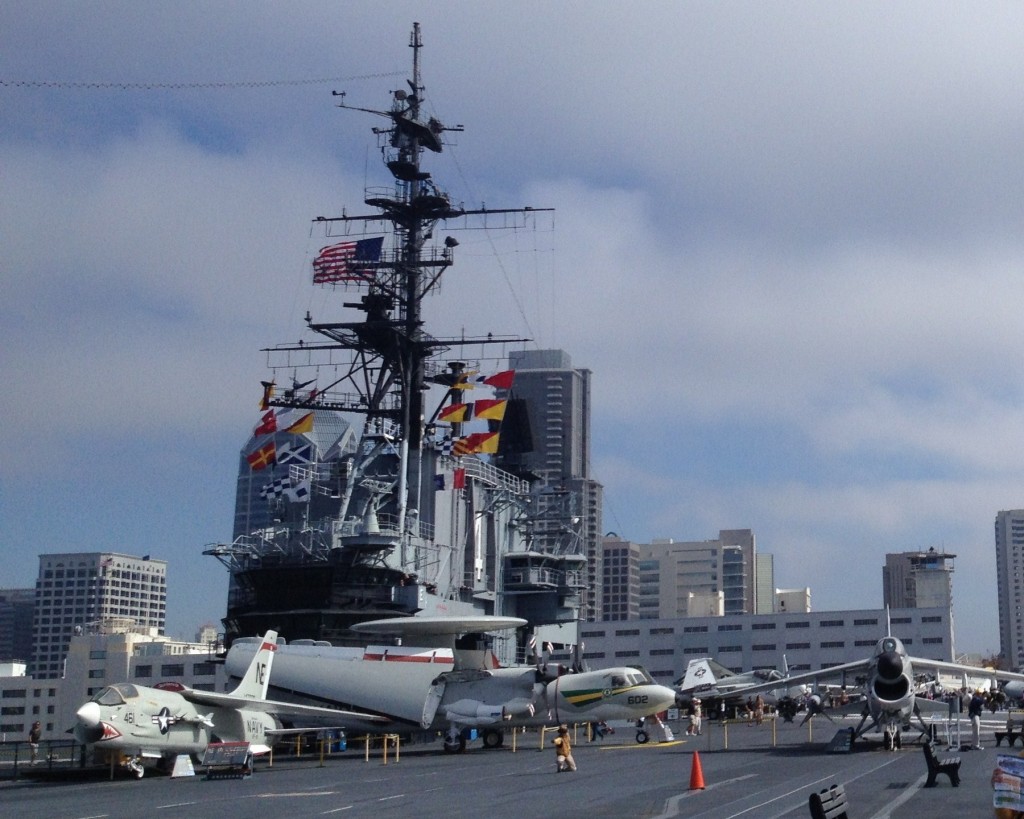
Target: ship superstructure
x,y
371,486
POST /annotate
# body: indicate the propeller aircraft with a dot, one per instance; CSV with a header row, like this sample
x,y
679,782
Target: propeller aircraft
x,y
444,677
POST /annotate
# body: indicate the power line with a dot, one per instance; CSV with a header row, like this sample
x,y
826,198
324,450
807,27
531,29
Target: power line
x,y
189,86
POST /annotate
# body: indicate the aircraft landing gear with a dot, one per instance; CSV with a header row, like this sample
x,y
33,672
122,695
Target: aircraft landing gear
x,y
641,736
493,737
134,766
454,741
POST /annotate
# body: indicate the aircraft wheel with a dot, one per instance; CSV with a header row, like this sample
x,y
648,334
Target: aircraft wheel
x,y
641,737
493,738
454,741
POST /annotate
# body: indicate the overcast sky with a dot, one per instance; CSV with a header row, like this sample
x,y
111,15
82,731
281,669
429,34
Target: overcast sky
x,y
788,244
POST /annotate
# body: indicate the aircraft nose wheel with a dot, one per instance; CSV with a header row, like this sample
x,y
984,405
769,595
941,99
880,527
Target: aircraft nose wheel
x,y
454,741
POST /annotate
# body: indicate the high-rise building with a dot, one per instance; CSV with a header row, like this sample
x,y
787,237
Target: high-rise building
x,y
269,496
556,397
764,583
620,562
1009,570
918,580
74,590
700,578
16,608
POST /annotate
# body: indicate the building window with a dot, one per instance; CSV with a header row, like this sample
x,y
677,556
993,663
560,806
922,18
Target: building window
x,y
98,655
763,626
932,640
143,671
832,623
799,624
695,630
833,644
655,652
95,673
172,670
797,646
731,627
627,653
935,619
764,647
628,632
868,622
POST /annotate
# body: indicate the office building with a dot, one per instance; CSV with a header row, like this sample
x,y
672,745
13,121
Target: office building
x,y
918,580
556,399
700,578
78,589
620,586
740,642
1009,536
16,609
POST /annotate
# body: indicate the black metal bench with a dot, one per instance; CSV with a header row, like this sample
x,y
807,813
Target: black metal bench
x,y
950,766
1009,736
829,803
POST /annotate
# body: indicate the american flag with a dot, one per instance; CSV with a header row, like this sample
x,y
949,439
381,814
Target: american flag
x,y
346,261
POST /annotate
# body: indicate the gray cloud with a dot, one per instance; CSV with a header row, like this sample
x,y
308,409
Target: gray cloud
x,y
786,244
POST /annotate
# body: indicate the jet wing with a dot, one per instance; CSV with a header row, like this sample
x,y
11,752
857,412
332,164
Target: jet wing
x,y
806,677
959,668
278,709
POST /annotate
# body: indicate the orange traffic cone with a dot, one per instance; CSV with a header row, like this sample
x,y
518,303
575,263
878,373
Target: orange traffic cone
x,y
696,774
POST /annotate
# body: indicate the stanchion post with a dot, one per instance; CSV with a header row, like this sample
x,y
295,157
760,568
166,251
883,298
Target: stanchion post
x,y
367,759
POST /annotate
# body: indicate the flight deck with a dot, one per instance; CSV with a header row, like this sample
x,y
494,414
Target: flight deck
x,y
616,778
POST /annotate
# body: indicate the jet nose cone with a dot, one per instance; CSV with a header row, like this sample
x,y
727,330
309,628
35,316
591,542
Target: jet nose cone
x,y
664,697
89,715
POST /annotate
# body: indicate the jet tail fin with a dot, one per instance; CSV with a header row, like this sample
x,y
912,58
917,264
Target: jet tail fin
x,y
256,680
699,676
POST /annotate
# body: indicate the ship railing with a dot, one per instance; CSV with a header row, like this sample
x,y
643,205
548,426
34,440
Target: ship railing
x,y
488,473
533,577
388,525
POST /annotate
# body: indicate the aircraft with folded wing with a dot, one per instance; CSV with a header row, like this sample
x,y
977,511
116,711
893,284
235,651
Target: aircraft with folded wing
x,y
144,725
714,683
443,676
889,700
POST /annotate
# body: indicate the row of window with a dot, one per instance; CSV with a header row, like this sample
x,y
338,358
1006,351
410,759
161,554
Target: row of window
x,y
702,629
202,669
696,650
